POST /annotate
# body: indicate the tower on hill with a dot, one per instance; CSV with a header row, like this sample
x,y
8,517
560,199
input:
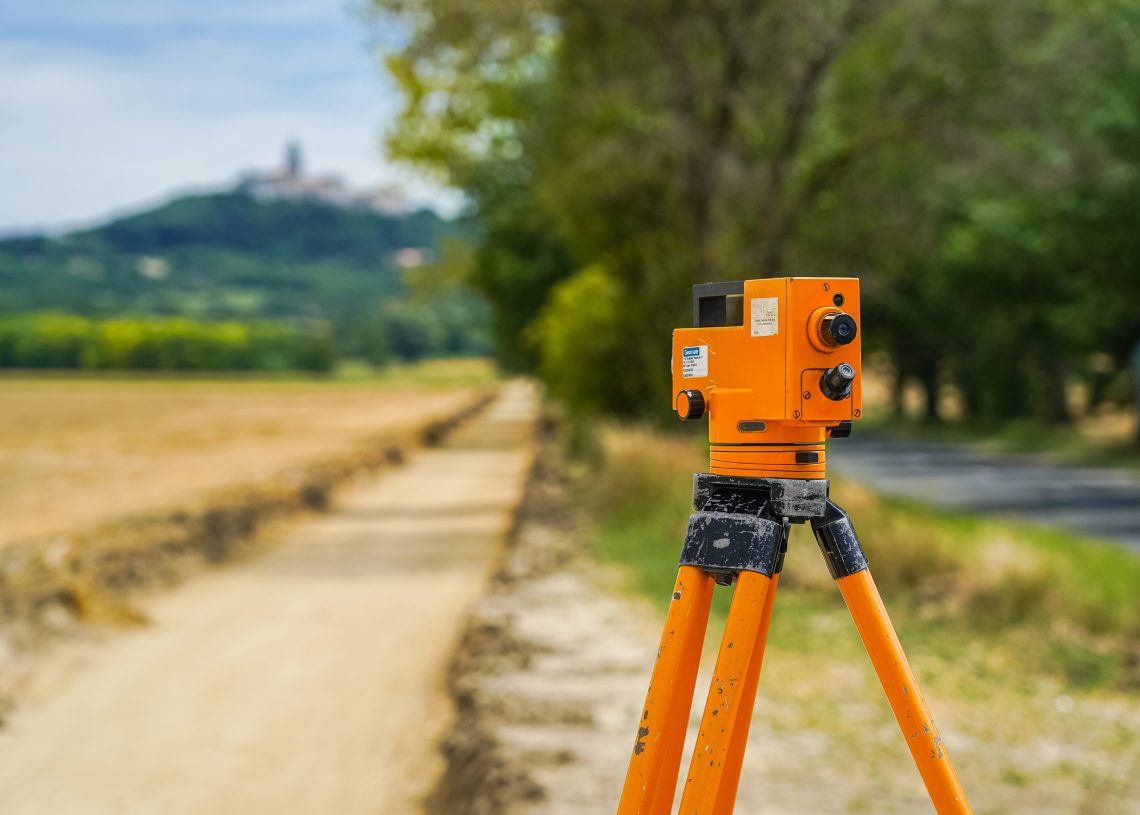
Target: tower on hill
x,y
290,183
294,164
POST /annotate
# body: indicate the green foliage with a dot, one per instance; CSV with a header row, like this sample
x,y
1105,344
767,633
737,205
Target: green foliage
x,y
218,257
439,314
61,341
453,316
974,163
230,258
44,341
412,331
518,262
581,331
288,231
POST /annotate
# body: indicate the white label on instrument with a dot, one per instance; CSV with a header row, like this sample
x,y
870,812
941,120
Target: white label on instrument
x,y
765,316
695,361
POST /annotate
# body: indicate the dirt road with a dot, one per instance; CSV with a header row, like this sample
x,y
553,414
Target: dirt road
x,y
309,680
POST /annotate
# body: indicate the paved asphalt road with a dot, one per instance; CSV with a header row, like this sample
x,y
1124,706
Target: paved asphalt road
x,y
1097,502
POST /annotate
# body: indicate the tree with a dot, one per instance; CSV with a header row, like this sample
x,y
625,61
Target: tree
x,y
930,148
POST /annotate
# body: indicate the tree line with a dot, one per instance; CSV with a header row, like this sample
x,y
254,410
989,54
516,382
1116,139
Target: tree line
x,y
976,164
48,340
394,330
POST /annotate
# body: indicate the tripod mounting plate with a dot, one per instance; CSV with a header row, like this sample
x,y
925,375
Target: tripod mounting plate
x,y
797,499
727,543
742,524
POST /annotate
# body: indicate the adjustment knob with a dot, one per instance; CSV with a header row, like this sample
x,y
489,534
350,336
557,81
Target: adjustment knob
x,y
842,430
690,405
838,329
835,383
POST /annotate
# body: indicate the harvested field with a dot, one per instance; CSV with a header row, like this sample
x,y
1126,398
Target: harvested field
x,y
108,487
75,453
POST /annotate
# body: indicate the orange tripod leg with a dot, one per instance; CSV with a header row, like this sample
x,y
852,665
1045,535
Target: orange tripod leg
x,y
910,709
651,780
728,699
726,796
844,555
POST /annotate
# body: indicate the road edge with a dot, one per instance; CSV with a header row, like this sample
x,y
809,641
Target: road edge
x,y
479,777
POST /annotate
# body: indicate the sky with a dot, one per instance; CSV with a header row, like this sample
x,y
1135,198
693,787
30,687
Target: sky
x,y
107,106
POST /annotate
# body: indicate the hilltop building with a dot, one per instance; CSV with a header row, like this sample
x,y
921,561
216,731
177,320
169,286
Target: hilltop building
x,y
290,183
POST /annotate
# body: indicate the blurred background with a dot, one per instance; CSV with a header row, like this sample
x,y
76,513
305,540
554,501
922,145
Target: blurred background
x,y
253,254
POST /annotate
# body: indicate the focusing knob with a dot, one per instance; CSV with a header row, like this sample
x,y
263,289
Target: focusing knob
x,y
838,329
690,405
835,383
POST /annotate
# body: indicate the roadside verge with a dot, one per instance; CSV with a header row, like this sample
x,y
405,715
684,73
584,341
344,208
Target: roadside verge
x,y
549,673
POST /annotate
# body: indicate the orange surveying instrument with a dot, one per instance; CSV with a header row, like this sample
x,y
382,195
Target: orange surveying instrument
x,y
775,365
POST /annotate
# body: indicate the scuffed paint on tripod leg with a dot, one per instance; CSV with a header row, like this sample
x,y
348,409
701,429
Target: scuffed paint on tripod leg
x,y
650,782
901,687
843,552
727,697
726,795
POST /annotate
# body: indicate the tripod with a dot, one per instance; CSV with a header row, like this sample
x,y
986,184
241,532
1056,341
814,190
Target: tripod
x,y
739,533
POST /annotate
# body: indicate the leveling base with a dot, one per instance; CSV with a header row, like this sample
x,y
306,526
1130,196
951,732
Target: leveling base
x,y
739,533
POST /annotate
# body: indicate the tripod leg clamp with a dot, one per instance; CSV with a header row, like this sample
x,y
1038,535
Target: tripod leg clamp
x,y
726,543
838,542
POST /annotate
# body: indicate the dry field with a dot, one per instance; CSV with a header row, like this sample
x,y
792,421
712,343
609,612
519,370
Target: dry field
x,y
78,452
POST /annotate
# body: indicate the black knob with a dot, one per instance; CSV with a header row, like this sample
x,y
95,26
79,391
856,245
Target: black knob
x,y
838,329
836,382
690,405
841,430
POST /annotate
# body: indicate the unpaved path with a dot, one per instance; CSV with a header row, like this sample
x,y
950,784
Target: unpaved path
x,y
306,681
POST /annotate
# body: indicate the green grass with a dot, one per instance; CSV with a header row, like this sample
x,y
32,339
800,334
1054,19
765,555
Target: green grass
x,y
1052,604
1026,641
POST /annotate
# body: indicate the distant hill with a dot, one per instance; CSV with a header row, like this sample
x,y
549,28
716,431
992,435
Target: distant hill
x,y
224,256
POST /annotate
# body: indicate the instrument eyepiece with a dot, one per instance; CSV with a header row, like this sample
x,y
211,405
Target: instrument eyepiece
x,y
838,329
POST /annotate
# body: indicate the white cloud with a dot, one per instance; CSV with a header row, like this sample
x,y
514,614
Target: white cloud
x,y
95,123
